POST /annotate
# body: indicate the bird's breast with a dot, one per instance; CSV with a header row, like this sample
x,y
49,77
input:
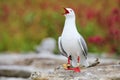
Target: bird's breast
x,y
70,45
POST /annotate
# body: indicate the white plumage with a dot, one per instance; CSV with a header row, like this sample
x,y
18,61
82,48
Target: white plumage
x,y
71,43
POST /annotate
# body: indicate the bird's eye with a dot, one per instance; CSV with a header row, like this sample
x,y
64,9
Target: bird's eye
x,y
70,10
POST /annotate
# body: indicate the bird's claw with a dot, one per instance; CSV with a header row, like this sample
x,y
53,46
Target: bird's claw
x,y
66,66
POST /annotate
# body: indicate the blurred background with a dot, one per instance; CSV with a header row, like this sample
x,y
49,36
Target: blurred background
x,y
33,26
25,23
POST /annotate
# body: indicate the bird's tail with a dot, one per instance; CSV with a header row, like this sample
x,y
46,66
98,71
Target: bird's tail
x,y
85,63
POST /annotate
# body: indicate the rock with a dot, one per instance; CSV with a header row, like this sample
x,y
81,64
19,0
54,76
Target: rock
x,y
38,76
12,78
22,65
109,72
15,71
47,44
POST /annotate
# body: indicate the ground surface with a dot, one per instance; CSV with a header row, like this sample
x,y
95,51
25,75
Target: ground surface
x,y
46,66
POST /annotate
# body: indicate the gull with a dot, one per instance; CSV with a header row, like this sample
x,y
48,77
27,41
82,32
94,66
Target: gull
x,y
71,44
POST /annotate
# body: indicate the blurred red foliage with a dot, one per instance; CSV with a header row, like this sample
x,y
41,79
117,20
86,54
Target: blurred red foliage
x,y
90,14
5,12
114,17
98,40
114,33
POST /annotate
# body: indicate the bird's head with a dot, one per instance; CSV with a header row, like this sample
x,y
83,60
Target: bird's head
x,y
69,12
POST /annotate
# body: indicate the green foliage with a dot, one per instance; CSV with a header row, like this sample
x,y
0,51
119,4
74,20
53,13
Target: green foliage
x,y
28,18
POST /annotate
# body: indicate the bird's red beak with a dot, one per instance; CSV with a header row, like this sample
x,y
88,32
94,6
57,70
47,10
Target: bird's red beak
x,y
66,11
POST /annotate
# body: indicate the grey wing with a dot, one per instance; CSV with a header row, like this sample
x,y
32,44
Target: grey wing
x,y
63,52
83,46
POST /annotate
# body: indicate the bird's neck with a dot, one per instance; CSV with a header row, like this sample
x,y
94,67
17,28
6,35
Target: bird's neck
x,y
69,25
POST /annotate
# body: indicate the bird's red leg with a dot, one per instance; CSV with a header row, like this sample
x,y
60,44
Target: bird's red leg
x,y
77,69
69,58
78,59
